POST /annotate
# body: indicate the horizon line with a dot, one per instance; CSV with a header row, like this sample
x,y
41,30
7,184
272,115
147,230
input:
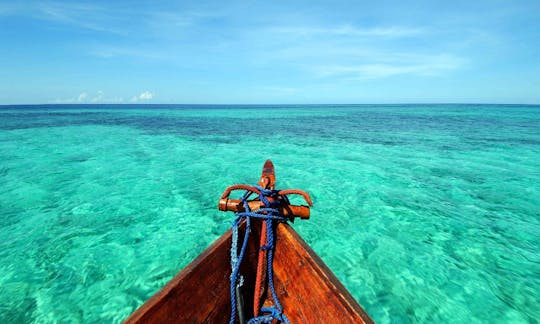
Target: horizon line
x,y
271,104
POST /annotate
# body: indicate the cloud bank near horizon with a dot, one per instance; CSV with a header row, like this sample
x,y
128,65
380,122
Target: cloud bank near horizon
x,y
100,98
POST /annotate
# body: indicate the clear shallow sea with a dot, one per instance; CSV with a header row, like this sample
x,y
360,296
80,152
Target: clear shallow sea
x,y
426,213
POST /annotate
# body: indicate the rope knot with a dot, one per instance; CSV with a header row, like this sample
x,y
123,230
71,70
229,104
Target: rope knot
x,y
274,314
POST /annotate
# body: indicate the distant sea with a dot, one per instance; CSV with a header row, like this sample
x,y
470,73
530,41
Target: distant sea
x,y
427,213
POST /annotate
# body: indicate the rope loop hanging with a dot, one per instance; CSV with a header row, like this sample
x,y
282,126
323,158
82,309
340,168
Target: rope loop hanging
x,y
269,214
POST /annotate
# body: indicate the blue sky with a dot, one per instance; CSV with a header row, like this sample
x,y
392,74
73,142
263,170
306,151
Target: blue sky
x,y
270,52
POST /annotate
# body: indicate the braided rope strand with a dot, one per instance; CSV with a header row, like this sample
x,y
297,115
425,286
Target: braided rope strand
x,y
270,215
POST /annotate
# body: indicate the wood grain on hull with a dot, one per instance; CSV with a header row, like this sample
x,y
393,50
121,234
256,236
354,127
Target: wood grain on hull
x,y
309,292
200,292
307,289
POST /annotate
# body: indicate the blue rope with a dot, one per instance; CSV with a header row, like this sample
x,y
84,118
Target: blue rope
x,y
236,259
269,214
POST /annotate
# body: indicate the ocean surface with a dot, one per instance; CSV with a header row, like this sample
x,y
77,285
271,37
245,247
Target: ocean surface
x,y
427,213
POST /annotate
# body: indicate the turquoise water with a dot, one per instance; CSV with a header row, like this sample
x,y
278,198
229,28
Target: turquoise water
x,y
426,213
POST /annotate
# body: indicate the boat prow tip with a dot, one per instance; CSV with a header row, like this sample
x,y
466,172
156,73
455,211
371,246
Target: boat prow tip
x,y
268,176
268,164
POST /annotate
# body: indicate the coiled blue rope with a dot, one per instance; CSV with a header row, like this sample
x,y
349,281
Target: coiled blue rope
x,y
269,214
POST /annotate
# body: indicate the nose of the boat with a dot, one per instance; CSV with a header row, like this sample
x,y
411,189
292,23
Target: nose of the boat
x,y
268,167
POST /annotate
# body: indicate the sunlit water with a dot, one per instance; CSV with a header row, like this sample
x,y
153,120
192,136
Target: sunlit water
x,y
426,213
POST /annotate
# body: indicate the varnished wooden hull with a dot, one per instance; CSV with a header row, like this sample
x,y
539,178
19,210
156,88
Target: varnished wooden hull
x,y
307,289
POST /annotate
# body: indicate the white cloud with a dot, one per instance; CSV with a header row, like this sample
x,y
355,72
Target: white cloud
x,y
82,97
86,16
147,95
98,97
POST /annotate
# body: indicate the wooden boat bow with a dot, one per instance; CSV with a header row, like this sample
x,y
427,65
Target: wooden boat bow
x,y
306,288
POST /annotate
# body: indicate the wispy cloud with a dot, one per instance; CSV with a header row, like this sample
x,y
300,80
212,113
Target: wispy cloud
x,y
87,16
287,51
177,21
415,65
350,31
362,54
133,51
